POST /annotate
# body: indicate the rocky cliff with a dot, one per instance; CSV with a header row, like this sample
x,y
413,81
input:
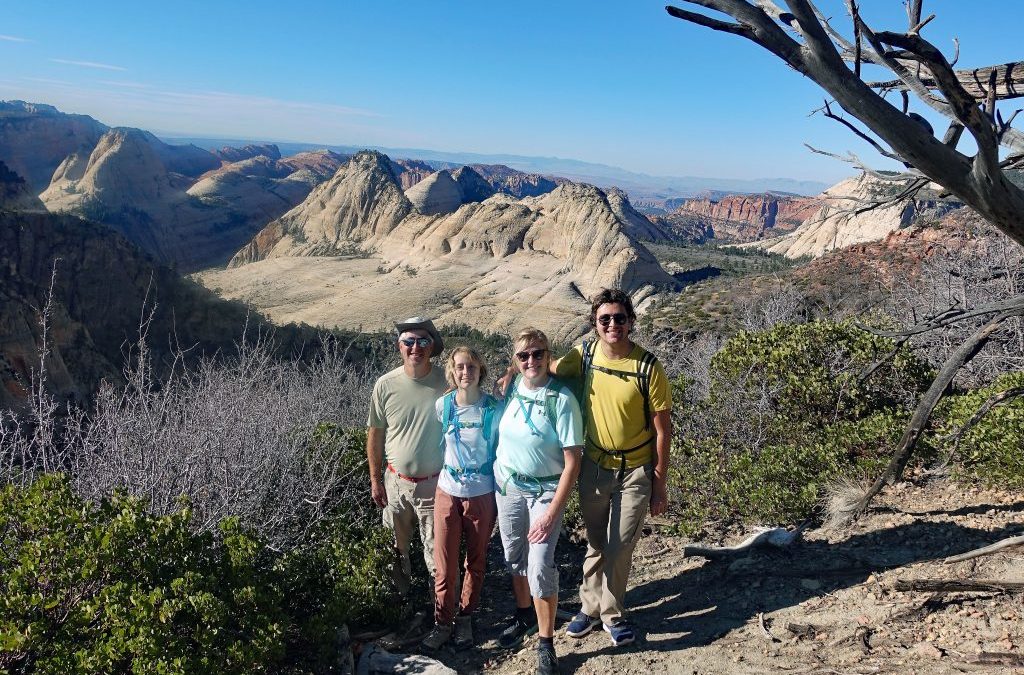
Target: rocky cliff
x,y
843,220
742,218
15,194
102,284
516,183
410,171
35,139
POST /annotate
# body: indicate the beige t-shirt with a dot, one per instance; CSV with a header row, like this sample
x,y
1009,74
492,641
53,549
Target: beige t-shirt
x,y
405,408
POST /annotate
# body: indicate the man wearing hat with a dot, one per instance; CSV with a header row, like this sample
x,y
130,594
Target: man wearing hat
x,y
403,443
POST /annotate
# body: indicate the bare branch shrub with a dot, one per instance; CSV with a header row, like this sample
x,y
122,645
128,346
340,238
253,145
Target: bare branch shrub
x,y
249,436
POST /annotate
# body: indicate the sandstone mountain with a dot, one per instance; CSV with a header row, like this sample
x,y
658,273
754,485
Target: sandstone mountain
x,y
35,139
231,154
472,185
129,181
844,221
635,223
357,252
319,164
435,194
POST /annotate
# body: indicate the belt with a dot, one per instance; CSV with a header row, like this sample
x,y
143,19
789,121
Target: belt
x,y
621,454
412,479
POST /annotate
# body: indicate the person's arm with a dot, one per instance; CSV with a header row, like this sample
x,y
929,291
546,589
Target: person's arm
x,y
662,448
501,384
375,458
541,528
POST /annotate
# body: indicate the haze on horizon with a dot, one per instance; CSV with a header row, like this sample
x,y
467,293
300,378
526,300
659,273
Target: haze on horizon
x,y
622,85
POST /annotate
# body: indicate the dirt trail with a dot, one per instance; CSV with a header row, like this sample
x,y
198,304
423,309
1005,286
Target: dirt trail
x,y
827,606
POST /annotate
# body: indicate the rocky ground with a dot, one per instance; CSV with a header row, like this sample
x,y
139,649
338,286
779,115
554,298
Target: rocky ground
x,y
826,605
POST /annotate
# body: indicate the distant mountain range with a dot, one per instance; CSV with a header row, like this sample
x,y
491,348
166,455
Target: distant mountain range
x,y
639,186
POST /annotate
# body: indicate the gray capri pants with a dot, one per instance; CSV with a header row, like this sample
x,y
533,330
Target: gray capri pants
x,y
517,509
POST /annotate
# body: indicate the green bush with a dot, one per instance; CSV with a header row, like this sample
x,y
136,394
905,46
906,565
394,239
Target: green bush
x,y
990,451
786,413
810,375
110,588
780,484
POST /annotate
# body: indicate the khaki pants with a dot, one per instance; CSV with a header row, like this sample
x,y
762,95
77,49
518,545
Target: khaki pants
x,y
613,513
457,519
410,505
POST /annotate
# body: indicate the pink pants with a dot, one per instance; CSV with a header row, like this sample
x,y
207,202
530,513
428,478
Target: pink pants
x,y
456,518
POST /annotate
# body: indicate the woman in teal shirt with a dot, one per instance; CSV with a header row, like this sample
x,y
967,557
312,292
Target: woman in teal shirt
x,y
540,441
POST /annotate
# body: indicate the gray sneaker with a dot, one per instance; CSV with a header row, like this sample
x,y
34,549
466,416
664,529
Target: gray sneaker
x,y
437,637
463,631
547,662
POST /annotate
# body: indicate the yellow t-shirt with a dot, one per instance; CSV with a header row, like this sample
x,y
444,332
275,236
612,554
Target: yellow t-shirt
x,y
614,406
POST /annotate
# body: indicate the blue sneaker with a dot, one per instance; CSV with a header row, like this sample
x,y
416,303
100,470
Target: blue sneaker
x,y
621,633
581,625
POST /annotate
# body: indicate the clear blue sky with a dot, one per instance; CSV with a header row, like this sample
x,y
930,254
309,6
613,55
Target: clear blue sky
x,y
620,83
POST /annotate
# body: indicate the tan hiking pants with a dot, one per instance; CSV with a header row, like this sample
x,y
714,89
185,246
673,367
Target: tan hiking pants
x,y
613,513
410,505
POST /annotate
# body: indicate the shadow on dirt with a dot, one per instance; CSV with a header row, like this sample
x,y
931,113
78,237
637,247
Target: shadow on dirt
x,y
695,607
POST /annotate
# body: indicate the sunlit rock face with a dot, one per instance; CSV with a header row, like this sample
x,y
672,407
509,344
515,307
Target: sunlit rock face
x,y
491,263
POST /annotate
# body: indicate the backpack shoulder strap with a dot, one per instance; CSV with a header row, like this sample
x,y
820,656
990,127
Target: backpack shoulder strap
x,y
643,380
448,411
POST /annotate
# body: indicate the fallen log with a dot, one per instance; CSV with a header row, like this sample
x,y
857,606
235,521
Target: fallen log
x,y
955,586
997,659
776,537
986,550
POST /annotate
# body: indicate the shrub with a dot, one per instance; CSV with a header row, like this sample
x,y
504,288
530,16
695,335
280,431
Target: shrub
x,y
989,451
112,588
781,413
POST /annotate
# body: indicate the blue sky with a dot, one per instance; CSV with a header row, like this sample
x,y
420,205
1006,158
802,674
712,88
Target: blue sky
x,y
617,83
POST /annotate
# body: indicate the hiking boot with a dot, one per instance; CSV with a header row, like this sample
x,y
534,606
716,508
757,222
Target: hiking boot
x,y
463,631
547,662
437,637
514,633
581,625
621,633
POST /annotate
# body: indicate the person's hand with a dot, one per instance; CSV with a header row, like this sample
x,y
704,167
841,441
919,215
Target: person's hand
x,y
503,382
541,529
380,497
659,498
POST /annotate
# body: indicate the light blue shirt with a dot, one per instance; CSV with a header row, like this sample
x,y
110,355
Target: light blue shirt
x,y
469,452
535,448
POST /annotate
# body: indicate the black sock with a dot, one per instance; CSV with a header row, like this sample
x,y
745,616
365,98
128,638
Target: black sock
x,y
525,615
546,642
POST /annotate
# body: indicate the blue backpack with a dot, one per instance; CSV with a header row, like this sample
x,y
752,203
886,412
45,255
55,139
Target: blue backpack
x,y
451,424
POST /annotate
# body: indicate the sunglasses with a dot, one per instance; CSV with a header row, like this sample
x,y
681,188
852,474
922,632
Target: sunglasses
x,y
535,354
619,319
422,343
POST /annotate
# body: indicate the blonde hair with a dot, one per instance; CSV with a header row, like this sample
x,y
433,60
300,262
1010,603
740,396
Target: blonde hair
x,y
528,335
474,355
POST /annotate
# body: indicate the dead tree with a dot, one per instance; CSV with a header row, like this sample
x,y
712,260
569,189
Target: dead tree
x,y
806,40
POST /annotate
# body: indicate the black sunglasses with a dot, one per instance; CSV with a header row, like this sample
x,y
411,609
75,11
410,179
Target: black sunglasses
x,y
535,354
422,343
620,319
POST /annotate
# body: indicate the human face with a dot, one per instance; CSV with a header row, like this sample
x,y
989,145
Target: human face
x,y
414,354
467,372
608,318
535,366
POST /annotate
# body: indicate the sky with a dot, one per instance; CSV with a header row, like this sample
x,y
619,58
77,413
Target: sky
x,y
619,83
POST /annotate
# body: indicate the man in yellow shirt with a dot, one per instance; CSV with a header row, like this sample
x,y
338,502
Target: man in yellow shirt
x,y
627,404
